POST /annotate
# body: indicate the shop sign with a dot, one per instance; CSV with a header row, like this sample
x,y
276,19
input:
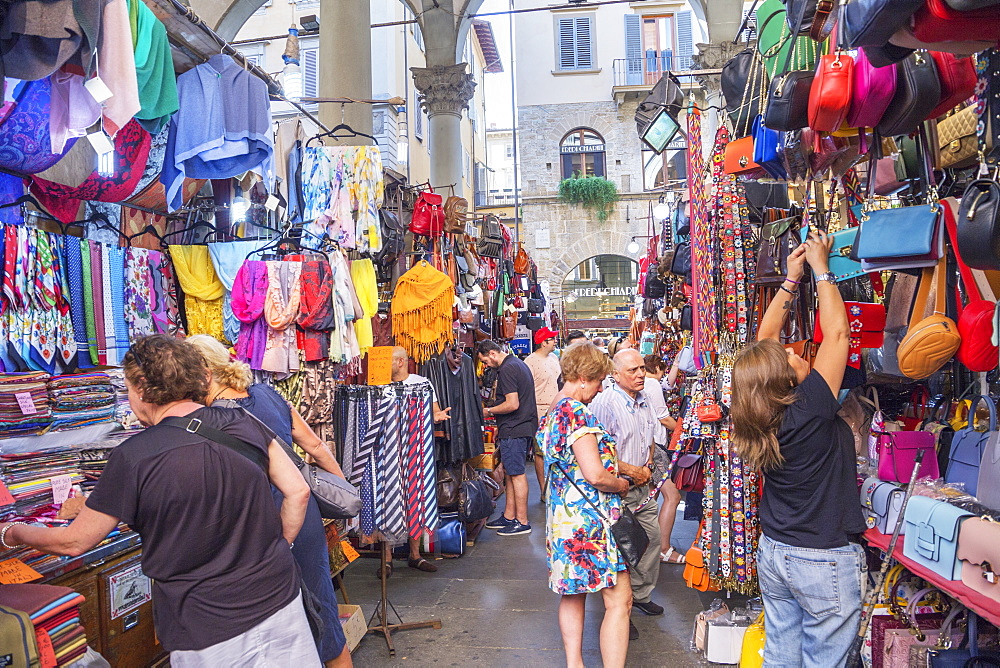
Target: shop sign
x,y
593,148
129,589
606,292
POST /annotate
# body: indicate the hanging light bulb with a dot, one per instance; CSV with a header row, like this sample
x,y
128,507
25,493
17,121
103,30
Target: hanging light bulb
x,y
661,211
105,150
633,247
238,210
291,75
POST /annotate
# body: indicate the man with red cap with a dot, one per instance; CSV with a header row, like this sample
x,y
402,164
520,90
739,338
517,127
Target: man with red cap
x,y
544,366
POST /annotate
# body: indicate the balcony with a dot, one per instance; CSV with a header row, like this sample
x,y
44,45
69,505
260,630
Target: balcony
x,y
637,75
494,198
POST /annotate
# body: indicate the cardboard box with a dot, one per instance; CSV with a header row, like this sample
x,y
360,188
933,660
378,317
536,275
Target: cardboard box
x,y
353,623
483,462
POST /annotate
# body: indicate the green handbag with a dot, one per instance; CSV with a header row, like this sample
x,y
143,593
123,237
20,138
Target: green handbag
x,y
774,39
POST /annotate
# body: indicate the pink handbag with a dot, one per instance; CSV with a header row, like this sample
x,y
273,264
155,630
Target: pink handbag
x,y
897,454
898,642
873,91
979,551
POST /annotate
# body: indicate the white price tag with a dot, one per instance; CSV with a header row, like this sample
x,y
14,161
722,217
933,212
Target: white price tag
x,y
25,403
98,90
101,142
272,203
61,485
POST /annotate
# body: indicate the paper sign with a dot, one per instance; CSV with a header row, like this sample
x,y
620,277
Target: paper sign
x,y
101,143
98,89
6,498
46,653
61,485
349,550
129,590
15,571
25,403
380,365
271,203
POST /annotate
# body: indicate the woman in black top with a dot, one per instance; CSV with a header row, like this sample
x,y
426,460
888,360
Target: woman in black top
x,y
785,423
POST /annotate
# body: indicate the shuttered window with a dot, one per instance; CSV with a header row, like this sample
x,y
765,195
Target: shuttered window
x,y
309,61
576,43
633,50
685,41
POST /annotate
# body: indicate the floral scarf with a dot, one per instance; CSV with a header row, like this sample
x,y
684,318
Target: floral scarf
x,y
316,314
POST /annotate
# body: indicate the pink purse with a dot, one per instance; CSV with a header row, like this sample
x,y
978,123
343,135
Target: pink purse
x,y
899,643
897,454
979,551
873,91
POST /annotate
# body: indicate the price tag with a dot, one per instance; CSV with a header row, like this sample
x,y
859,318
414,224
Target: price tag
x,y
271,203
380,365
6,498
25,403
98,89
46,653
15,571
61,485
349,550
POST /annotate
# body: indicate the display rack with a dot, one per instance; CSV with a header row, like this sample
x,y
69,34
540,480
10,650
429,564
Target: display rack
x,y
384,604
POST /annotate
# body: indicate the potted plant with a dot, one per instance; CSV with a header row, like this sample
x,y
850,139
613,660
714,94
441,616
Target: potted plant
x,y
591,192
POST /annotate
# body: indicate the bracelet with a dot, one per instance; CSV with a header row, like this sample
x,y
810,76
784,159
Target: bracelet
x,y
782,287
795,282
3,535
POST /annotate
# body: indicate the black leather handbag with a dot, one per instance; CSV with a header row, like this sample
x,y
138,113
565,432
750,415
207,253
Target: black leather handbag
x,y
743,82
681,263
631,538
918,91
655,287
475,501
787,106
979,225
686,324
777,240
536,305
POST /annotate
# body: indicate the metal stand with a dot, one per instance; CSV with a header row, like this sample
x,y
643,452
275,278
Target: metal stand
x,y
382,610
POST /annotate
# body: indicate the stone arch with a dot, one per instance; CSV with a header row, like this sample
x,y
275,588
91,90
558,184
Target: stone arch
x,y
598,242
581,120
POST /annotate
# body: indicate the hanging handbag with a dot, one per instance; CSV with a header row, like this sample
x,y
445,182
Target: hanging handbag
x,y
490,241
738,158
958,144
777,240
968,447
743,82
979,553
932,341
904,237
873,90
775,40
897,454
831,92
448,485
680,265
631,539
522,263
957,77
932,534
689,474
697,577
841,260
428,215
508,326
455,211
935,21
918,92
787,105
979,225
767,149
873,22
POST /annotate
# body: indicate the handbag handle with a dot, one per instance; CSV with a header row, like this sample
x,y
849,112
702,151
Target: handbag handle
x,y
968,280
993,412
795,36
930,274
586,498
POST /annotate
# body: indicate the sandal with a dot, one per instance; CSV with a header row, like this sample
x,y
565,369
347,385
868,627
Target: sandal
x,y
422,565
388,571
665,557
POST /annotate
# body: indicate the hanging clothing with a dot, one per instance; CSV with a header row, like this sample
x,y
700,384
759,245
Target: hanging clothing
x,y
248,297
138,294
223,127
154,68
227,258
202,288
39,37
422,311
366,288
344,341
166,313
73,109
116,67
316,315
459,390
74,275
281,308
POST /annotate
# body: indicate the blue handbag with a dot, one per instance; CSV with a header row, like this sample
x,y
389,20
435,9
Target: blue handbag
x,y
451,534
842,260
967,448
962,658
766,149
905,237
932,535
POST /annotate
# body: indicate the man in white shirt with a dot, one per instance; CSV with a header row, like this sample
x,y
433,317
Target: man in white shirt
x,y
401,374
544,366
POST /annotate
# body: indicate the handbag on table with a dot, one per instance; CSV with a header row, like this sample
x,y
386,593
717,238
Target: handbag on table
x,y
979,552
929,342
932,529
988,486
882,503
968,447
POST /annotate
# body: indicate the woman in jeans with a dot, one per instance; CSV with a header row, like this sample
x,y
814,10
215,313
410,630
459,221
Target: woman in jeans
x,y
582,555
785,423
231,385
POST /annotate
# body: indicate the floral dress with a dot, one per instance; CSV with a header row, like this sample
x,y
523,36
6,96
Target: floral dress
x,y
582,554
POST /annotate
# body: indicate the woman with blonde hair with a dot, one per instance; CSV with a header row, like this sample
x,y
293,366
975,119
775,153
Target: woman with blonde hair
x,y
785,423
231,385
582,468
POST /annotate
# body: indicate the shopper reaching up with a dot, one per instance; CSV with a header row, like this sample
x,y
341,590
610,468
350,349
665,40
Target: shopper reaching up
x,y
785,422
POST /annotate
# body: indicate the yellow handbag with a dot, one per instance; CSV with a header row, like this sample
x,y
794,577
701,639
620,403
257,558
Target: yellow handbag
x,y
752,653
960,419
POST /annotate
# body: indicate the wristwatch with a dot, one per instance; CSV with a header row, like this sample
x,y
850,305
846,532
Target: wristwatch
x,y
828,276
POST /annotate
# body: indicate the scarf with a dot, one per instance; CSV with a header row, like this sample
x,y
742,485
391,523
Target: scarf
x,y
249,291
90,325
24,136
422,311
281,307
227,258
203,291
74,273
366,287
316,314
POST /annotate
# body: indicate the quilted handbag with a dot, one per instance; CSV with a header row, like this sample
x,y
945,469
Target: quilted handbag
x,y
874,88
929,342
897,454
932,535
767,149
882,503
831,92
738,158
988,486
918,91
979,225
873,22
937,22
958,145
979,552
451,534
957,77
777,240
900,236
428,215
968,447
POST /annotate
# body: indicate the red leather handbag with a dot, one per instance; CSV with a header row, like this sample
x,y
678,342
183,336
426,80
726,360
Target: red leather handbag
x,y
867,323
689,475
958,80
428,215
937,22
831,91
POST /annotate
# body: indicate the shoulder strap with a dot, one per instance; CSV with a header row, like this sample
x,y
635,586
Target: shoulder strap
x,y
585,497
968,280
196,426
941,285
923,291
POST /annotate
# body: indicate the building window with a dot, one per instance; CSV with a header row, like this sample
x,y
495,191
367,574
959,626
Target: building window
x,y
418,122
309,62
585,270
661,170
575,39
262,10
418,36
582,153
510,150
254,54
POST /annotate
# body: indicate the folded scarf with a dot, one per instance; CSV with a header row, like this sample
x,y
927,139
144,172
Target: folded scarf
x,y
366,287
316,313
422,311
203,291
249,292
281,307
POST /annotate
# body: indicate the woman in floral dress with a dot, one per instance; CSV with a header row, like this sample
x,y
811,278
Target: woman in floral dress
x,y
582,554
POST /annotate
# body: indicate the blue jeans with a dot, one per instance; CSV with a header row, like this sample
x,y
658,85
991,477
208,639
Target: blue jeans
x,y
812,603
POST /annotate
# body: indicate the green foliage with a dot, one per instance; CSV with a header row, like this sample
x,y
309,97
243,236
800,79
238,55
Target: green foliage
x,y
591,192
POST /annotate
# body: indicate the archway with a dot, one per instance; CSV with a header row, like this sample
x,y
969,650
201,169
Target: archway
x,y
598,292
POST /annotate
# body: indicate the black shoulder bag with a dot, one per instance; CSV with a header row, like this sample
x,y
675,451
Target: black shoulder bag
x,y
632,539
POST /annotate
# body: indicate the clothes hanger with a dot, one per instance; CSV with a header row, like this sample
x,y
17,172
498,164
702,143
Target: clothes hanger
x,y
21,201
189,228
149,229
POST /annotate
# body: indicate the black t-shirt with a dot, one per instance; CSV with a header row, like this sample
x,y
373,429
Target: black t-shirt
x,y
515,376
211,535
812,500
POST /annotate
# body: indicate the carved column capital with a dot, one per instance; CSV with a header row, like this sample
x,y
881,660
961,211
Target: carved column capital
x,y
713,57
444,89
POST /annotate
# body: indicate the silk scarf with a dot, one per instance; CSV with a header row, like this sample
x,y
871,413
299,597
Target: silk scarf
x,y
203,291
281,308
366,288
249,292
316,314
25,147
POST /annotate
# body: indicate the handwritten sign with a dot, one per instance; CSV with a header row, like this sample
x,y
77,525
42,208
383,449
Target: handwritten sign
x,y
6,498
349,551
380,365
46,652
15,571
25,403
61,485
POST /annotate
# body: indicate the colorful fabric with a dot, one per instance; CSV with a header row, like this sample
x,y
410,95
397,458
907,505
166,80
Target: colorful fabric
x,y
702,240
366,288
25,146
154,68
422,312
316,315
281,308
203,291
582,553
248,296
138,294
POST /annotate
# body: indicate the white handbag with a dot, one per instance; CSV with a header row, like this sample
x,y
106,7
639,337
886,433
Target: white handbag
x,y
724,643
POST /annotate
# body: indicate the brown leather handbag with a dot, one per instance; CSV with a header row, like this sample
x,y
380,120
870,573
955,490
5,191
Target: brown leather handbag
x,y
931,342
455,210
958,144
522,263
777,240
508,326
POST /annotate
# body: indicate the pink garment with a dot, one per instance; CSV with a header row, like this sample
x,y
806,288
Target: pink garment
x,y
281,309
73,109
247,301
116,67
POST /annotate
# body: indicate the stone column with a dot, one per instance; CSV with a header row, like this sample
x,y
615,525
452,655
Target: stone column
x,y
345,64
713,57
445,90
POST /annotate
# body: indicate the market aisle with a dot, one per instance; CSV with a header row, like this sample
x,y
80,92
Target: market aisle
x,y
497,610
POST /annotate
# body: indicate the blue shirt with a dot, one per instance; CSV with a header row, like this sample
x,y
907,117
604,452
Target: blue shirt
x,y
629,421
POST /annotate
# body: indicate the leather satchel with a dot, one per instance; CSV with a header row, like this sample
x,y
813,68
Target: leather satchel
x,y
738,158
697,577
874,88
979,554
979,225
929,343
936,21
918,92
968,447
897,454
957,77
831,92
777,241
932,535
448,484
689,475
958,145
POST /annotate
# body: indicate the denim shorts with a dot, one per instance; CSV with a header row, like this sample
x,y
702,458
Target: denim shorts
x,y
513,454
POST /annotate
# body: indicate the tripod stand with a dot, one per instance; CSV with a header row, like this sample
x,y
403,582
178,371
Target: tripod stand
x,y
382,609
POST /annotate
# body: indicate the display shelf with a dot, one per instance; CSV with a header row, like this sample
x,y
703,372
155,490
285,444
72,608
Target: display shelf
x,y
982,605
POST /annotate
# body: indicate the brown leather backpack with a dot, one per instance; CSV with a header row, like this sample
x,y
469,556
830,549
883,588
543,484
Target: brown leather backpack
x,y
455,210
522,263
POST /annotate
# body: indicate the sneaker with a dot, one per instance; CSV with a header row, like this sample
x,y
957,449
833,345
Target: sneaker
x,y
515,529
648,607
500,522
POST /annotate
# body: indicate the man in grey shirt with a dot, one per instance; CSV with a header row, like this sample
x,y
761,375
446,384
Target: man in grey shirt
x,y
625,412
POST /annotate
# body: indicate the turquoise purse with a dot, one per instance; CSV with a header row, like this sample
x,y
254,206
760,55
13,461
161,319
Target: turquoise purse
x,y
843,260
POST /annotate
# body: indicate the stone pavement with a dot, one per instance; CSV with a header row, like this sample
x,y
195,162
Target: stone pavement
x,y
496,608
